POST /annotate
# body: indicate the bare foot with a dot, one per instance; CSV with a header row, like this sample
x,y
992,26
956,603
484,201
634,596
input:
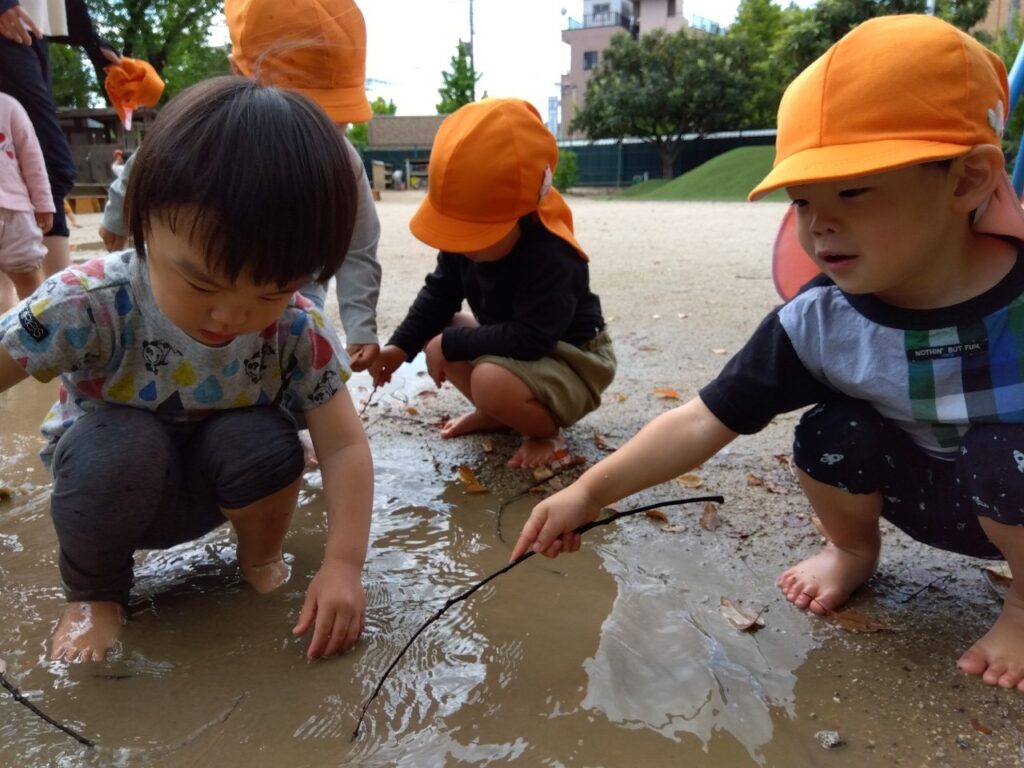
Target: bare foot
x,y
308,454
825,581
87,630
999,655
266,577
538,451
475,421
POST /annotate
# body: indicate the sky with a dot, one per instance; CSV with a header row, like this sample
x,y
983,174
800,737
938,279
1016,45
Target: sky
x,y
519,49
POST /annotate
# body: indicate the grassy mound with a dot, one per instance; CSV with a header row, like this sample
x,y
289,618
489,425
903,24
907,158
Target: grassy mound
x,y
729,176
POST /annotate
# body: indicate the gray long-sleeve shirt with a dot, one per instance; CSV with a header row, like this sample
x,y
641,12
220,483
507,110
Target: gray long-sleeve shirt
x,y
357,282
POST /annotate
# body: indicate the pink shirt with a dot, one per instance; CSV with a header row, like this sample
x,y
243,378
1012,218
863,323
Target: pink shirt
x,y
23,182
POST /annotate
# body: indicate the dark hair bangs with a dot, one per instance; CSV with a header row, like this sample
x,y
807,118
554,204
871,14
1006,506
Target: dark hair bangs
x,y
260,176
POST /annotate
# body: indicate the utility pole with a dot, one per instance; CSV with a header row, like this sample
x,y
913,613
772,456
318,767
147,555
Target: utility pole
x,y
472,63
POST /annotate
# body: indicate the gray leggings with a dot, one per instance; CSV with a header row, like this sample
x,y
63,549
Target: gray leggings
x,y
125,480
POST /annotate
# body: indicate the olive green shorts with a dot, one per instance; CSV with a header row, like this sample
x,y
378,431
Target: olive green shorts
x,y
570,380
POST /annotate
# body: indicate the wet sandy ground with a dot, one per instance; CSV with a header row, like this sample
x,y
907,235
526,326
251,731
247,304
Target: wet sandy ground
x,y
617,656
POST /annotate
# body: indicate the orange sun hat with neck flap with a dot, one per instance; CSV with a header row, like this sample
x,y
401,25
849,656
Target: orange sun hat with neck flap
x,y
315,47
491,164
131,84
896,91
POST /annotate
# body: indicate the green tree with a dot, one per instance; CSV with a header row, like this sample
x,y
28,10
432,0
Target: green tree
x,y
169,34
72,77
661,87
459,86
758,27
566,171
358,133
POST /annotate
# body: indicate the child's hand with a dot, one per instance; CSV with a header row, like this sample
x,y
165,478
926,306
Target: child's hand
x,y
44,221
362,356
435,360
549,530
336,605
111,241
387,363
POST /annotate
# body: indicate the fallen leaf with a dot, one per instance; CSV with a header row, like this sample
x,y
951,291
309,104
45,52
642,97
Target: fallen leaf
x,y
710,521
720,351
753,479
603,444
852,621
999,574
690,481
426,394
538,489
468,477
657,514
980,727
647,348
487,445
743,620
668,394
540,474
621,398
412,411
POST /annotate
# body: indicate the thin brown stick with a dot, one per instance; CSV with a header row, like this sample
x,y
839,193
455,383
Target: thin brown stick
x,y
20,698
464,595
368,399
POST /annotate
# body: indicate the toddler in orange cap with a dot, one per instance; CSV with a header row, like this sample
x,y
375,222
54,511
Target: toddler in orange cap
x,y
909,344
318,48
533,356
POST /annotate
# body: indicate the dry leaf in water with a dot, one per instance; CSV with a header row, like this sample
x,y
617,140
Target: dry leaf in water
x,y
709,520
412,411
657,514
852,621
602,444
980,727
487,445
690,481
621,398
742,619
668,394
998,573
753,479
468,478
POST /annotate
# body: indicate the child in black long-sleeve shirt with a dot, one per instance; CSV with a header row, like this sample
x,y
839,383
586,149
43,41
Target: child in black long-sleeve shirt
x,y
533,356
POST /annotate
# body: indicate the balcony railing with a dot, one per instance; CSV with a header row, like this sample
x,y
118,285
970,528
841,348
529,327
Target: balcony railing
x,y
609,19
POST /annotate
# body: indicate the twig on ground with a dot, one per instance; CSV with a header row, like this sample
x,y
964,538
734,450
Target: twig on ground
x,y
464,595
368,400
20,698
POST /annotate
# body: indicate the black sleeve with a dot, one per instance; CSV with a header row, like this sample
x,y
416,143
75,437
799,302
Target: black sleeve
x,y
547,292
438,300
82,33
6,5
762,380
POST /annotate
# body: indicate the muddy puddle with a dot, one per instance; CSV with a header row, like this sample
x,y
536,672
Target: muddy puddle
x,y
618,656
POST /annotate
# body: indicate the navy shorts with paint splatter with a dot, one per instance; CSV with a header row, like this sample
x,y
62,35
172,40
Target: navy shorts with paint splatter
x,y
848,444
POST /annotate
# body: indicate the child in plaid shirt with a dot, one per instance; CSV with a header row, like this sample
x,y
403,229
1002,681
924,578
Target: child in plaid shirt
x,y
909,344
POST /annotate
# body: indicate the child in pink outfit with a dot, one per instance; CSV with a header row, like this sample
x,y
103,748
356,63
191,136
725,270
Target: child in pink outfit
x,y
26,205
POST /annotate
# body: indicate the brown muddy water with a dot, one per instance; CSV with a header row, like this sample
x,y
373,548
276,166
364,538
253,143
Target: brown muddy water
x,y
616,656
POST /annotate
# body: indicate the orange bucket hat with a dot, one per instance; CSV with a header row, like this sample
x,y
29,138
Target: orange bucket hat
x,y
895,91
132,84
491,163
315,47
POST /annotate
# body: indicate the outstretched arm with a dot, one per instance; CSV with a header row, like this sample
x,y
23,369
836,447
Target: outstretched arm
x,y
335,602
672,444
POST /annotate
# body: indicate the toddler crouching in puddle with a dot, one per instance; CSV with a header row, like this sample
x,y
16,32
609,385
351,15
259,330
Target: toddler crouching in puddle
x,y
181,360
534,355
909,344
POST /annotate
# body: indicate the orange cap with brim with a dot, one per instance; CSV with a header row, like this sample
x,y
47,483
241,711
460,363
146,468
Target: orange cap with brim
x,y
491,164
895,91
315,47
131,84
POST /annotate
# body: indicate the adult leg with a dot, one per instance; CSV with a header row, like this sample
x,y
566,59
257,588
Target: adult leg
x,y
991,473
253,460
25,75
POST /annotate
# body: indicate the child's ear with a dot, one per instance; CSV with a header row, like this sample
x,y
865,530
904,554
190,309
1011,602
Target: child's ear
x,y
979,172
